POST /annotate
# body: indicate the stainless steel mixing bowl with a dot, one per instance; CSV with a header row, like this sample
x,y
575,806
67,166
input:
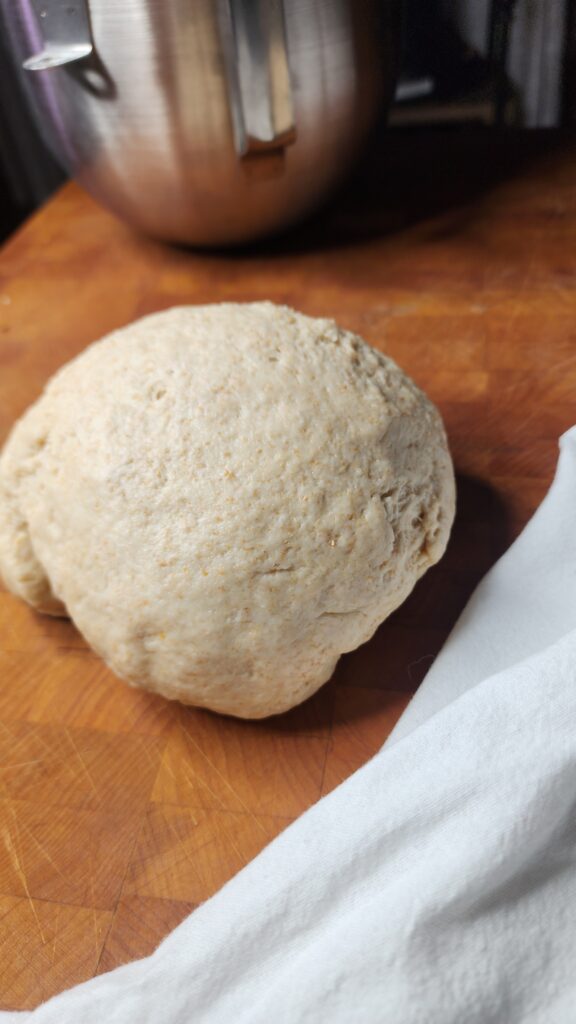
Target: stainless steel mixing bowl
x,y
205,121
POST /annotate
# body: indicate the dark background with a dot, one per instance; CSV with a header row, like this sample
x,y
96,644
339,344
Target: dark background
x,y
495,63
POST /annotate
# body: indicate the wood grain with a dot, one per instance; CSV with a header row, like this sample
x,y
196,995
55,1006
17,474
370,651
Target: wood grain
x,y
120,812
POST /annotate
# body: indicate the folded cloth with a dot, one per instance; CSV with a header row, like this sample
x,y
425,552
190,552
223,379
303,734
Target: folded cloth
x,y
437,885
523,605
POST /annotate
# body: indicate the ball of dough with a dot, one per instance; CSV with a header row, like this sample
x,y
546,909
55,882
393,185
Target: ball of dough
x,y
224,499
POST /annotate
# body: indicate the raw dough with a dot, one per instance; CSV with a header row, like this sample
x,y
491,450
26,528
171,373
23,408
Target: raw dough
x,y
224,499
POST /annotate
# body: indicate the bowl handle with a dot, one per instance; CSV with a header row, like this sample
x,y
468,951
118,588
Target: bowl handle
x,y
258,74
64,28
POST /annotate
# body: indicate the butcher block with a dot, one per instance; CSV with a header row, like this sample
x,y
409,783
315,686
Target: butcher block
x,y
120,812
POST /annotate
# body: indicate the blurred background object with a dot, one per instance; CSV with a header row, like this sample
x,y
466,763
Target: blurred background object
x,y
208,123
495,63
28,172
492,62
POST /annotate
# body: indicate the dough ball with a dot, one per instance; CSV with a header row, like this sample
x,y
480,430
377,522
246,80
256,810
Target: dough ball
x,y
224,499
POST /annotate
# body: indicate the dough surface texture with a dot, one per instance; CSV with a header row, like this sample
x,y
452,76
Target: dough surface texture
x,y
224,499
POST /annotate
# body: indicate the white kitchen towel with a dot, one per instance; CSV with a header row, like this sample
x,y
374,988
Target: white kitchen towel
x,y
524,604
437,885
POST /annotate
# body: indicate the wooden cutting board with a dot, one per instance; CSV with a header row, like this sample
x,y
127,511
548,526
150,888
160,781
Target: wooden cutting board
x,y
121,812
